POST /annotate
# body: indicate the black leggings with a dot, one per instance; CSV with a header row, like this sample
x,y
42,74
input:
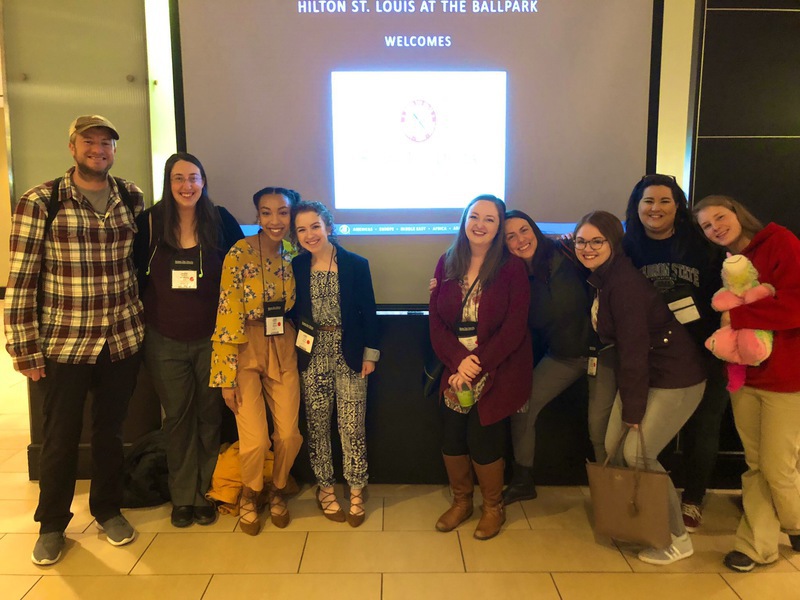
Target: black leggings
x,y
464,434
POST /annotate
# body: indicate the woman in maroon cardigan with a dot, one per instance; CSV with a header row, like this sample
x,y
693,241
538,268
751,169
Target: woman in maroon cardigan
x,y
478,326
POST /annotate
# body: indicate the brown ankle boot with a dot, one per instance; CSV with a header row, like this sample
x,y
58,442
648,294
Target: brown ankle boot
x,y
490,478
459,472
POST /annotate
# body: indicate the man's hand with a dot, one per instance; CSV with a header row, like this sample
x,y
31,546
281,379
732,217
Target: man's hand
x,y
34,374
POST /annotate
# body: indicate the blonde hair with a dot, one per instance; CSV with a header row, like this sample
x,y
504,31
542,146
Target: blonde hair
x,y
750,225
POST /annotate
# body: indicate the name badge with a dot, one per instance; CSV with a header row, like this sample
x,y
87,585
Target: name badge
x,y
684,310
591,364
467,333
273,317
306,334
184,273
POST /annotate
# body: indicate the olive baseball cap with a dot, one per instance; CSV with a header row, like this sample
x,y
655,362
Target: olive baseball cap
x,y
85,122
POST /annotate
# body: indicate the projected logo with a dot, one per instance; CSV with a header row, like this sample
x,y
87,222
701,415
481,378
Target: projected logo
x,y
418,121
381,118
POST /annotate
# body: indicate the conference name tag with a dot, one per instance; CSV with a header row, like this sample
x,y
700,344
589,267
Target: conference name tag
x,y
467,333
684,310
306,334
184,273
273,317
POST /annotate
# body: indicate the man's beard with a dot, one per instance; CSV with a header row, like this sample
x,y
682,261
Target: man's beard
x,y
90,174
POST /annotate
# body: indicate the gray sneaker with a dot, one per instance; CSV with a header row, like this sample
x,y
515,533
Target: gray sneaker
x,y
118,531
48,548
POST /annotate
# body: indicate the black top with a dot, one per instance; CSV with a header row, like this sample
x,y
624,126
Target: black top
x,y
560,302
184,315
678,268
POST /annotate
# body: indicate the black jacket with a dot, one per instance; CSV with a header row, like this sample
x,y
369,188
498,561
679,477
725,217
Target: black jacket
x,y
229,233
357,298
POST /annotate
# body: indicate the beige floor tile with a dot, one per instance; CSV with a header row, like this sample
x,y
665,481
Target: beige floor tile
x,y
306,516
329,587
14,587
171,587
638,586
467,586
188,553
709,550
14,399
16,516
381,552
420,513
13,422
391,490
759,585
15,438
17,486
156,519
17,462
6,453
541,551
85,554
720,512
558,508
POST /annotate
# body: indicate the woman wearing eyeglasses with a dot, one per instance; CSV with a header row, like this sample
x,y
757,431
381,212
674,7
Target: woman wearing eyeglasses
x,y
478,314
178,250
767,408
684,267
659,373
558,319
254,357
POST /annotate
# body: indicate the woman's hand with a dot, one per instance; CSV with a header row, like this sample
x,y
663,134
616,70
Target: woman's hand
x,y
470,367
457,382
633,426
725,319
233,399
432,285
367,367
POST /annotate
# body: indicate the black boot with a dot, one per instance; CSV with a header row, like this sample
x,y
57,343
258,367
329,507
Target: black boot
x,y
521,486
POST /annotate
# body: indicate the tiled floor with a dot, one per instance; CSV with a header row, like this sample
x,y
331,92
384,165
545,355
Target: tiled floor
x,y
546,551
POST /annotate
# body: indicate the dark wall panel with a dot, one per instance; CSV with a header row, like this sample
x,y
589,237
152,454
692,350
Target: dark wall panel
x,y
751,74
763,173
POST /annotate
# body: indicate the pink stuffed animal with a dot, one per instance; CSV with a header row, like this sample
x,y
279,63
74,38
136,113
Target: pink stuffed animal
x,y
739,347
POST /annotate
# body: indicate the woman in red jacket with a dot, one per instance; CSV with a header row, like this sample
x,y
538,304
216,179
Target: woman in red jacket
x,y
767,408
478,326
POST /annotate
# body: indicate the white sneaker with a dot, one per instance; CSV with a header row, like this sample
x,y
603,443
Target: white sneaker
x,y
680,548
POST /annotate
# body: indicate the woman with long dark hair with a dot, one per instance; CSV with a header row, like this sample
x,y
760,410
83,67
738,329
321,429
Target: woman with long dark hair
x,y
478,312
662,241
254,357
659,374
767,408
558,318
179,248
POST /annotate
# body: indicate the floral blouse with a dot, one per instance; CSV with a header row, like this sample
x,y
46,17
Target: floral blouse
x,y
241,299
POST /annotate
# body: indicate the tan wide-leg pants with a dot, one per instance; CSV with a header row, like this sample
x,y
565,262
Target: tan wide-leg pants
x,y
268,369
769,426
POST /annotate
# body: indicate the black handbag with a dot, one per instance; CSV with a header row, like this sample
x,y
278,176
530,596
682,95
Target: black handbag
x,y
432,375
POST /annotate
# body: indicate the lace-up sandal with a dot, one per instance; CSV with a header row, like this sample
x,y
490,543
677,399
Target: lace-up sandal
x,y
248,512
357,513
325,501
278,511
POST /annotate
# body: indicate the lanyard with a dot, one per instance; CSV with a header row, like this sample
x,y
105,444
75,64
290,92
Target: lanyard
x,y
261,270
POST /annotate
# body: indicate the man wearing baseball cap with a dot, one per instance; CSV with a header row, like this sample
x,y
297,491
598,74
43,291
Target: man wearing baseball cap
x,y
73,325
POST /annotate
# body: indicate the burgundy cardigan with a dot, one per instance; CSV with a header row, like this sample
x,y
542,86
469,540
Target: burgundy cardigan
x,y
504,346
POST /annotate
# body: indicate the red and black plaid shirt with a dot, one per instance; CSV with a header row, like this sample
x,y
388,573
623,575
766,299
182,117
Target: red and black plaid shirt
x,y
88,282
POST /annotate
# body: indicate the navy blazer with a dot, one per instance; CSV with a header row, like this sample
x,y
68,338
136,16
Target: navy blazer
x,y
357,303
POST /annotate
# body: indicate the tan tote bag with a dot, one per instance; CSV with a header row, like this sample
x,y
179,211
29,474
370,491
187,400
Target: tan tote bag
x,y
630,504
